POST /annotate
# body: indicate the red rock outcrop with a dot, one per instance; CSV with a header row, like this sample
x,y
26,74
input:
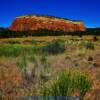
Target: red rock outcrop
x,y
33,22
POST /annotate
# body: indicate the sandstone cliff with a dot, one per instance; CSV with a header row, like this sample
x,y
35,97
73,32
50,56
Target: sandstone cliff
x,y
34,22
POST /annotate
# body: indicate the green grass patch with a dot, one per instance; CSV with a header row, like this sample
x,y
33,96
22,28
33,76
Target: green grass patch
x,y
15,50
67,83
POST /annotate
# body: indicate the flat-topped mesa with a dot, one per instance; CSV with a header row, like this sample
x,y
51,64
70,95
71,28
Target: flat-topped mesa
x,y
34,22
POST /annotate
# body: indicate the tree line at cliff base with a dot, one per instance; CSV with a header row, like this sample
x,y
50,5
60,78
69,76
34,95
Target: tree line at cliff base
x,y
6,33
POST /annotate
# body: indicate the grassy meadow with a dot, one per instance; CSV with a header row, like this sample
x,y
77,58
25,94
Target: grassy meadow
x,y
50,66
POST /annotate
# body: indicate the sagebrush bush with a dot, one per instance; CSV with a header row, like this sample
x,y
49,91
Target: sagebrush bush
x,y
55,47
66,84
89,45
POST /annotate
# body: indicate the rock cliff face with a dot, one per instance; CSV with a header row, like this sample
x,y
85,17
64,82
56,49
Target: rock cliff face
x,y
33,22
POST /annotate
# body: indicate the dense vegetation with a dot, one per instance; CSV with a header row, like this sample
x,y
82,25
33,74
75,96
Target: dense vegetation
x,y
55,47
5,33
15,50
66,84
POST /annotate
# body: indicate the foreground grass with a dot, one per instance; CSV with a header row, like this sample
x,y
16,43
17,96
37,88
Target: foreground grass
x,y
33,65
68,83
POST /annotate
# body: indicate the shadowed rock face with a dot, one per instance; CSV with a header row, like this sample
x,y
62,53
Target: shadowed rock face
x,y
33,22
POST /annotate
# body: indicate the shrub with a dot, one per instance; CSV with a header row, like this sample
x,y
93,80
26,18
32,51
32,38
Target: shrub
x,y
55,47
90,58
89,45
66,84
95,38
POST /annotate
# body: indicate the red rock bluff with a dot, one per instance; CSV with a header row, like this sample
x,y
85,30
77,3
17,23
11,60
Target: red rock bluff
x,y
26,23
